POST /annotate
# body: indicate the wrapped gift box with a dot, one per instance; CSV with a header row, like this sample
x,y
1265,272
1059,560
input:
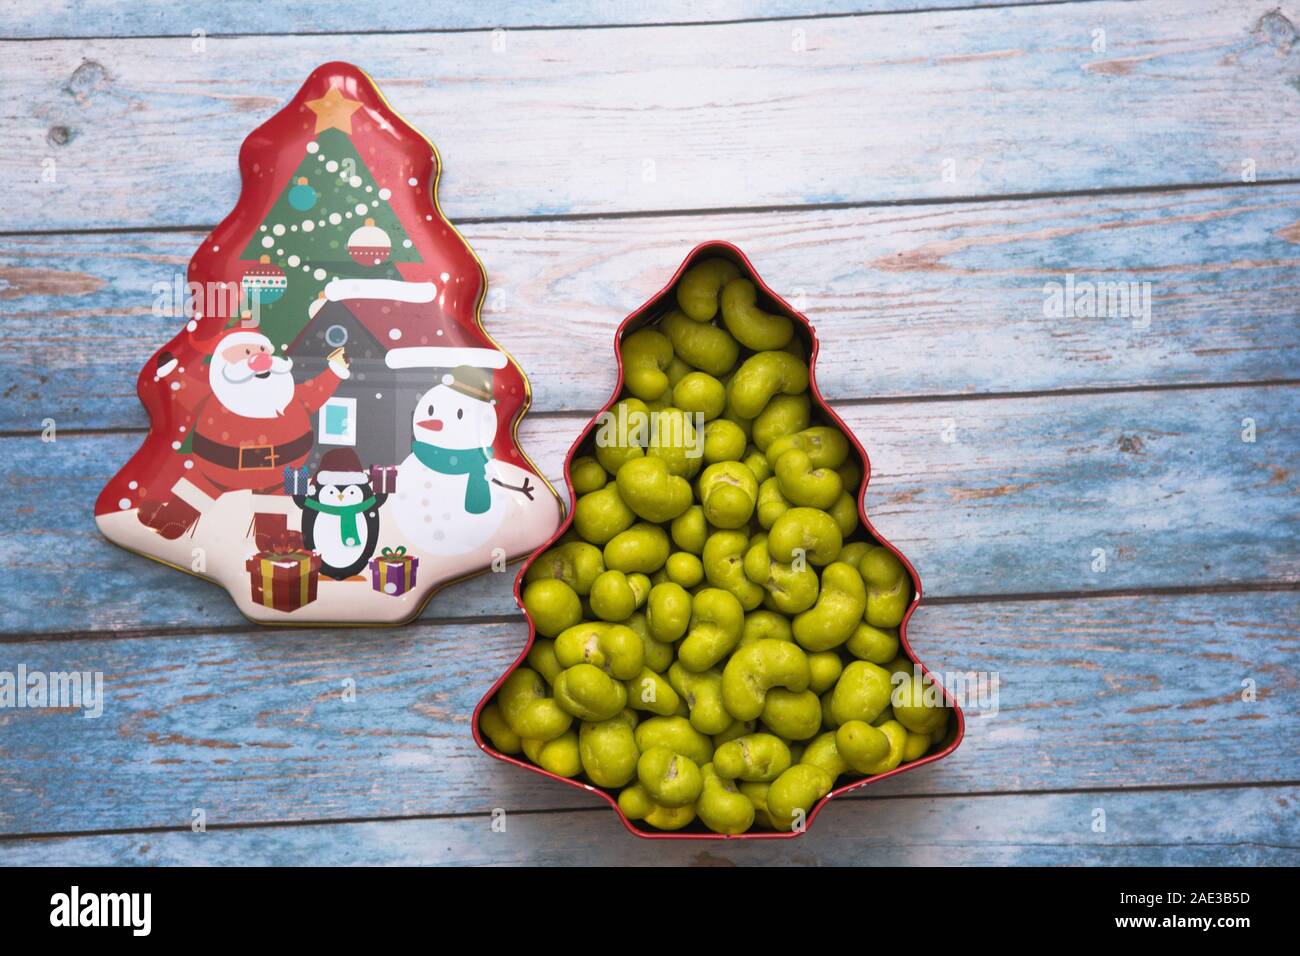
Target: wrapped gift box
x,y
383,478
393,571
284,579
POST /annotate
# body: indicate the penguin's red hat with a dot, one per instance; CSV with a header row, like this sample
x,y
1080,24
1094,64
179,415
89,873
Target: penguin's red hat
x,y
340,466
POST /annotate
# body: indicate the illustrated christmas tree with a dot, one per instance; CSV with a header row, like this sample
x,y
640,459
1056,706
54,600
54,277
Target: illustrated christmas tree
x,y
332,221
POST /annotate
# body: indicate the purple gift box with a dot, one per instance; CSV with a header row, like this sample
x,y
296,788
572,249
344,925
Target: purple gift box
x,y
393,572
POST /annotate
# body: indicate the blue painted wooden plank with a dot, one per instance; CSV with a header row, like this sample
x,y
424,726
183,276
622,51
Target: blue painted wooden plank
x,y
99,18
928,105
1052,494
1107,693
916,301
1229,827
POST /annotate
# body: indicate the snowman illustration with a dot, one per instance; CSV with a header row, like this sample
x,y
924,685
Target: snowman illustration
x,y
452,496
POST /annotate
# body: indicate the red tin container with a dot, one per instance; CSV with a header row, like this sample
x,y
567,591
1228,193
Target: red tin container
x,y
657,306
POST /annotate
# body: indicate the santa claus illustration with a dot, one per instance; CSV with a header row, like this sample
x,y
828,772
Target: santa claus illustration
x,y
250,421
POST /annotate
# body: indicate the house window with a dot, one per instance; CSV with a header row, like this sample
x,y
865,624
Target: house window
x,y
336,336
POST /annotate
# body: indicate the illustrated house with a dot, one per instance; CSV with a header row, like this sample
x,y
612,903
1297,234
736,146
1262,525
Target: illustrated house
x,y
399,343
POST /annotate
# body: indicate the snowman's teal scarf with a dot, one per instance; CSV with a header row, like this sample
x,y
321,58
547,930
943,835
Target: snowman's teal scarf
x,y
347,515
460,461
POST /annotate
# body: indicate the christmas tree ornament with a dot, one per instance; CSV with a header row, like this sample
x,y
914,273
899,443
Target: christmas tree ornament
x,y
264,282
369,245
332,433
663,727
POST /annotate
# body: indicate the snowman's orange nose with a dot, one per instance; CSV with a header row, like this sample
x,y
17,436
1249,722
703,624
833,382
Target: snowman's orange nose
x,y
433,424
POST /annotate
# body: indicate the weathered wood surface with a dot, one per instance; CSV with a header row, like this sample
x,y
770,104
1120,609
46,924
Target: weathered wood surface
x,y
153,18
949,103
1224,827
1107,693
907,301
1023,499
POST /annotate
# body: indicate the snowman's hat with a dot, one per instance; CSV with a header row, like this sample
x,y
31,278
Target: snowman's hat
x,y
470,381
340,466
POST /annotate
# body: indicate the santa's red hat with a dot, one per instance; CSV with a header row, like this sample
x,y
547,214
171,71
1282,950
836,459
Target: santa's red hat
x,y
241,335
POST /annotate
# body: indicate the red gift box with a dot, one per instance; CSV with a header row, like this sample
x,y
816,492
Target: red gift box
x,y
383,478
393,572
284,579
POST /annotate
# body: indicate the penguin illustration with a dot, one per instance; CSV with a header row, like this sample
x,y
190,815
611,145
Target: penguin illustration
x,y
340,514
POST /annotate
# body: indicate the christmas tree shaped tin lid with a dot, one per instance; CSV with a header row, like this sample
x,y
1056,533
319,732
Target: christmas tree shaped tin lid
x,y
332,434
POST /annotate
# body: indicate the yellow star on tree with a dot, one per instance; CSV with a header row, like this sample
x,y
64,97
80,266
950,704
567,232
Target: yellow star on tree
x,y
334,111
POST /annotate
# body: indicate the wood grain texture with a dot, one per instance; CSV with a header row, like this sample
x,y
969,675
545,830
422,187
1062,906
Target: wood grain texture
x,y
1229,827
918,301
95,18
252,727
1012,100
1020,501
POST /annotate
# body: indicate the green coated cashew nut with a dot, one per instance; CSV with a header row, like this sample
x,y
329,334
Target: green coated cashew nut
x,y
700,394
861,693
838,610
588,693
689,530
792,795
823,752
684,568
826,447
784,415
543,660
601,515
674,438
587,475
897,735
752,327
763,625
614,648
700,285
918,704
552,605
671,779
649,691
771,502
845,513
763,375
493,723
758,667
559,756
825,668
721,806
754,757
724,566
792,715
668,612
724,440
528,709
576,563
789,591
716,621
861,745
728,493
677,734
615,595
643,547
658,654
646,357
622,434
878,645
637,804
703,695
701,345
809,531
653,494
889,588
806,485
608,750
757,464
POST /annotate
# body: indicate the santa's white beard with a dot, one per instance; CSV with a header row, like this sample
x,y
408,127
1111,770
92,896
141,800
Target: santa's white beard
x,y
241,391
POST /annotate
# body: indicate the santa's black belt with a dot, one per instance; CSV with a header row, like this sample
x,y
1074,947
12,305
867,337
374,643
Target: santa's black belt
x,y
246,457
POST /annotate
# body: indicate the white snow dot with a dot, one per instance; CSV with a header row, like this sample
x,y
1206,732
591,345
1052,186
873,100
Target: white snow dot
x,y
318,274
379,394
412,181
124,503
279,252
263,227
176,386
216,248
267,242
277,229
181,429
360,208
313,147
176,446
308,225
320,158
294,261
428,218
448,378
438,332
191,325
189,463
133,485
390,587
355,182
385,193
394,334
347,215
370,189
374,204
293,228
332,166
406,243
335,219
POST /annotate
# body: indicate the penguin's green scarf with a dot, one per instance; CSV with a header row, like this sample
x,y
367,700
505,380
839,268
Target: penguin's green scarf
x,y
469,462
347,515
